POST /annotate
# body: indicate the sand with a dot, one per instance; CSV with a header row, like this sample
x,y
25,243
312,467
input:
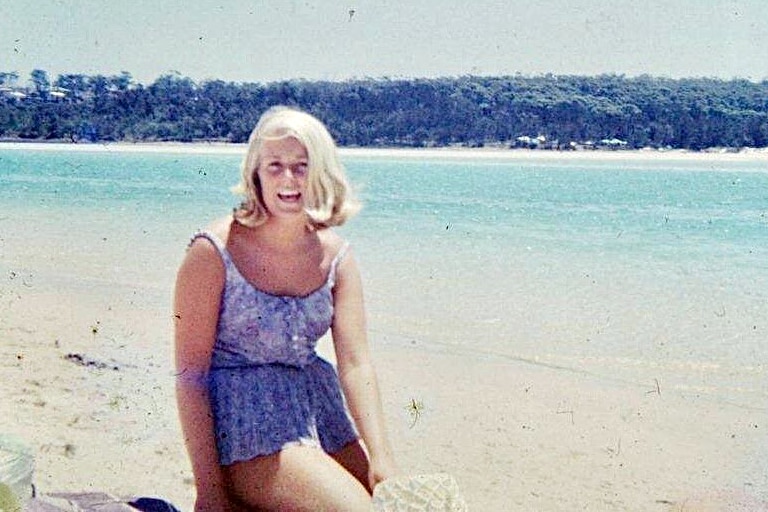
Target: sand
x,y
486,153
88,384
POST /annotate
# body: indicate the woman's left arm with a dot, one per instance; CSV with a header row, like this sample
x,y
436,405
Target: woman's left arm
x,y
356,370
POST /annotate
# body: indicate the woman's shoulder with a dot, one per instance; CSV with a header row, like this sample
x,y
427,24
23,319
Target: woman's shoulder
x,y
331,241
208,242
221,228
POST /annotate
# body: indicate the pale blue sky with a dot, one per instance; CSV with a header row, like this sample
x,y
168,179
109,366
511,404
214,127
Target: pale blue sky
x,y
267,40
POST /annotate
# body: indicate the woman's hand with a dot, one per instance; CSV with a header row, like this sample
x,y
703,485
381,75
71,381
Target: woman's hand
x,y
378,471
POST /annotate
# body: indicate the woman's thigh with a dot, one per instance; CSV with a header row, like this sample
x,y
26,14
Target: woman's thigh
x,y
299,478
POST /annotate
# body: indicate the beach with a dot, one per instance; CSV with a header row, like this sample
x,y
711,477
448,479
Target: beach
x,y
454,152
554,440
89,381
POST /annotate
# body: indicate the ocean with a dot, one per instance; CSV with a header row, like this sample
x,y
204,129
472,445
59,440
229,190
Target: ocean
x,y
645,272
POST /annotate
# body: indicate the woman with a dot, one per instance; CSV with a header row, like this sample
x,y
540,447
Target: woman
x,y
263,416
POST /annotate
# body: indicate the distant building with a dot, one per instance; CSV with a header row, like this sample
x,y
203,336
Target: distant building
x,y
613,143
12,93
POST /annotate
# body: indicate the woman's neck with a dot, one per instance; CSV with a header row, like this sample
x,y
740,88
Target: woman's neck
x,y
285,234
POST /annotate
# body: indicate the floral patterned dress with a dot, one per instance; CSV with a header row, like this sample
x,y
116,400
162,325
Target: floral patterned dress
x,y
268,387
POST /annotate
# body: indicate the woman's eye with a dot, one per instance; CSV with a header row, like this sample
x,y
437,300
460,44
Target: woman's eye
x,y
301,169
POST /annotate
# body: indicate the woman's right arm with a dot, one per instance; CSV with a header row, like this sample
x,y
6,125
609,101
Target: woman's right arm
x,y
199,286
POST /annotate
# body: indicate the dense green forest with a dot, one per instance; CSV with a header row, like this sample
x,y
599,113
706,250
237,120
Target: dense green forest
x,y
542,111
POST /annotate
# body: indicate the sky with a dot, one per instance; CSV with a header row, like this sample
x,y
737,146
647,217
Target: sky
x,y
269,40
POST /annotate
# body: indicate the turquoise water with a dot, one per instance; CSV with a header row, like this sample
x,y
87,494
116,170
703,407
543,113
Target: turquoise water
x,y
634,271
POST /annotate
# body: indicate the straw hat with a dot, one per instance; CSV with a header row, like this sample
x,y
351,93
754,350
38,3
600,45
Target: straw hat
x,y
434,492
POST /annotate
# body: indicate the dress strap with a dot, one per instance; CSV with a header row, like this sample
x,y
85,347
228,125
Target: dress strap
x,y
216,242
335,263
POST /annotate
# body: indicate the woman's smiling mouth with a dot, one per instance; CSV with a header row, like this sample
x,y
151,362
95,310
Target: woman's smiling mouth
x,y
290,196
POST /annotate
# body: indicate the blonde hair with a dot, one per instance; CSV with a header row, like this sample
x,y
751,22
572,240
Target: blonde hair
x,y
329,199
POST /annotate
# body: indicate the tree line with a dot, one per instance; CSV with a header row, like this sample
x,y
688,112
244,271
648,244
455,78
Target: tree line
x,y
547,111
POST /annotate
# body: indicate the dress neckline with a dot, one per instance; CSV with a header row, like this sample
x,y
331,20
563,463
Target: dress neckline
x,y
283,296
230,262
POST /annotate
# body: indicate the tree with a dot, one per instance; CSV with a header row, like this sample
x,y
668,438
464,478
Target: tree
x,y
40,82
468,110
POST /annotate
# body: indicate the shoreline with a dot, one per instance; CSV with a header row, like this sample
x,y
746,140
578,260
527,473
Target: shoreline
x,y
453,153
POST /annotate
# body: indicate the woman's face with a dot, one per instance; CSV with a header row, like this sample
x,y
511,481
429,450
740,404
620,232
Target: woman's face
x,y
282,172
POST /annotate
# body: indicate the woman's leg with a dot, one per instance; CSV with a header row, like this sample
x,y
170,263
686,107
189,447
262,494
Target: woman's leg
x,y
354,459
299,478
